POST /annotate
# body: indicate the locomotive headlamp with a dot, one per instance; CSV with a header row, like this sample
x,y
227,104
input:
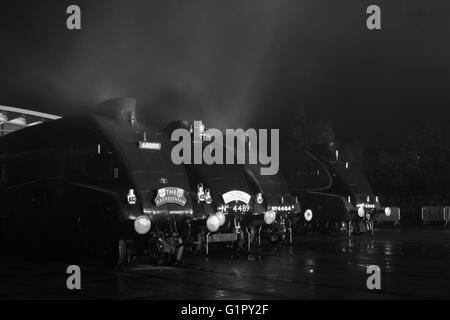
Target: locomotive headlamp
x,y
269,216
308,215
297,207
142,224
387,211
208,198
221,217
131,197
259,198
361,212
200,193
213,223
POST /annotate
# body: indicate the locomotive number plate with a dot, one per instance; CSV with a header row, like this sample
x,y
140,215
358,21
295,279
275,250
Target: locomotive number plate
x,y
241,208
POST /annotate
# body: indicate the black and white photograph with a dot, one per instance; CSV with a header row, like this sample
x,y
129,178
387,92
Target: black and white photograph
x,y
224,156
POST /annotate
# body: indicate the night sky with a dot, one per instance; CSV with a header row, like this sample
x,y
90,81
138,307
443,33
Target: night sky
x,y
233,63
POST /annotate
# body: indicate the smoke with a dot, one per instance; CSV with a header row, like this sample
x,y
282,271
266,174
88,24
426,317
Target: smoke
x,y
229,63
185,59
179,59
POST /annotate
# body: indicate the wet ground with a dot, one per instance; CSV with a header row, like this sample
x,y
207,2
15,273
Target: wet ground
x,y
414,263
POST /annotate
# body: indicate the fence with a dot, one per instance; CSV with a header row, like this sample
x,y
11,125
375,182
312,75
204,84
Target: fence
x,y
436,214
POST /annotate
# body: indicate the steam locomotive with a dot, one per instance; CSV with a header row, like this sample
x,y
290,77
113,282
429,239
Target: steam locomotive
x,y
289,219
98,184
230,206
338,194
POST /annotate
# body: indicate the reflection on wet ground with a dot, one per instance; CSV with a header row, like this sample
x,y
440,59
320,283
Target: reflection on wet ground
x,y
414,263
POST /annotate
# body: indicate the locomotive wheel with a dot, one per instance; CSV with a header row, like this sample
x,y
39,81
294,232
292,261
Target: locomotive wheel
x,y
333,228
156,252
114,253
273,237
239,244
96,239
160,255
357,228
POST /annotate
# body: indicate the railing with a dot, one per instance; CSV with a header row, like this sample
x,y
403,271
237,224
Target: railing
x,y
436,214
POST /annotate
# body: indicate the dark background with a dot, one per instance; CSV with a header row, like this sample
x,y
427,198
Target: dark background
x,y
383,95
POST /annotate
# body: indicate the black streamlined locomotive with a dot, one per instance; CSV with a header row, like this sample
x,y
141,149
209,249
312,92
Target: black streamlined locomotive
x,y
99,184
276,194
230,206
338,194
351,183
236,212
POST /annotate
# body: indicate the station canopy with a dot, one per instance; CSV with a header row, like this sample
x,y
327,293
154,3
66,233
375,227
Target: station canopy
x,y
13,119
